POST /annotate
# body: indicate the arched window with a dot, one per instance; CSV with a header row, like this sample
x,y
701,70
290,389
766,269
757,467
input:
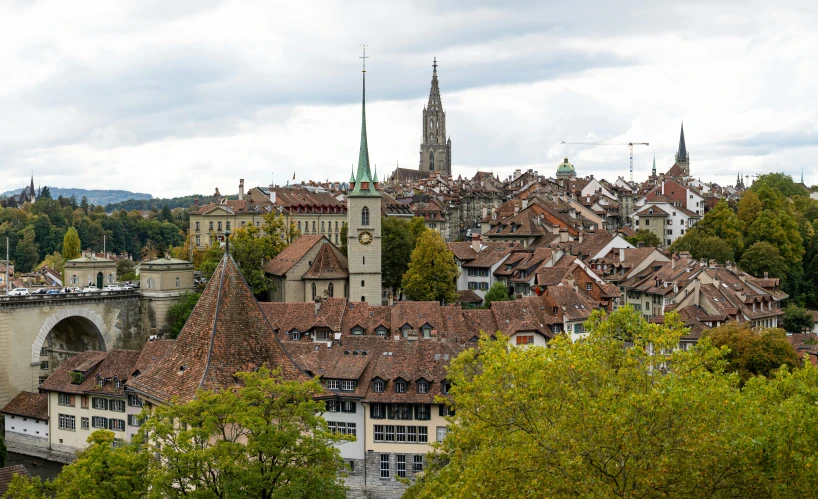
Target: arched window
x,y
331,290
178,282
431,161
363,298
365,216
364,260
313,291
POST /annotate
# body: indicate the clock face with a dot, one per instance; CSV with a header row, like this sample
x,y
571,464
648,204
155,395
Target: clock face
x,y
365,237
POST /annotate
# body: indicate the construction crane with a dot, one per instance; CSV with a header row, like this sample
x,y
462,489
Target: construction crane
x,y
629,144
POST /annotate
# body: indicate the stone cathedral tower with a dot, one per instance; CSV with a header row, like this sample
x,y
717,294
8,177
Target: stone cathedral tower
x,y
364,225
682,157
435,148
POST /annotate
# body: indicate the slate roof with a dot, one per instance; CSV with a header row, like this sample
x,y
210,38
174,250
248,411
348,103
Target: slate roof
x,y
291,255
227,332
28,405
7,474
326,265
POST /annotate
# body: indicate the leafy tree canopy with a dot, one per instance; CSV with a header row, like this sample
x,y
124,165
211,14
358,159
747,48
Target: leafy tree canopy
x,y
396,251
644,236
497,292
432,271
797,319
753,353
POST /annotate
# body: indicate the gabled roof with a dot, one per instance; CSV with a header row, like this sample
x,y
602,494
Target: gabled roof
x,y
226,333
326,265
28,405
291,255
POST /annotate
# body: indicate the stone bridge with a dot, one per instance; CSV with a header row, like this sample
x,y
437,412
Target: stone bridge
x,y
37,332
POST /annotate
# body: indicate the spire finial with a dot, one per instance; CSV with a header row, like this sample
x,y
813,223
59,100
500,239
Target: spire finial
x,y
364,57
434,64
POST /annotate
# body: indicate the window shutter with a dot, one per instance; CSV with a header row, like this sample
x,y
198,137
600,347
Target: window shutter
x,y
440,408
105,423
371,410
428,411
417,411
388,408
71,401
354,406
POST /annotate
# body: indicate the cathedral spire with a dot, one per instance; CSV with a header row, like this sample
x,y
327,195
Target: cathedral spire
x,y
682,153
654,163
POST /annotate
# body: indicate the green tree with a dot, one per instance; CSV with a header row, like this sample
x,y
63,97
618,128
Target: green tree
x,y
395,252
749,207
125,269
497,292
797,319
23,487
763,257
700,245
264,438
432,271
417,227
180,312
211,257
54,261
71,246
594,419
779,182
166,214
753,353
344,235
3,451
723,223
84,205
780,229
645,237
27,253
45,193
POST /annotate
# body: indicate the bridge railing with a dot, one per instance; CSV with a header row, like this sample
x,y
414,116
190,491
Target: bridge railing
x,y
63,297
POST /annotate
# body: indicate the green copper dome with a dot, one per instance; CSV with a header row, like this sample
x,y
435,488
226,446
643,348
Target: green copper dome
x,y
566,168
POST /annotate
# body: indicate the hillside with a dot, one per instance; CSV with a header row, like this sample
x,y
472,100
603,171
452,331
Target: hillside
x,y
94,196
147,204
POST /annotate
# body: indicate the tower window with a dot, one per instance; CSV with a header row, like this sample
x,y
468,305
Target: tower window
x,y
313,291
363,284
364,260
331,290
365,216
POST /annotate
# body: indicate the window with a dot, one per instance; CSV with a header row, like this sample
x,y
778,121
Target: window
x,y
377,386
670,232
347,385
484,286
220,226
647,221
588,286
445,410
400,386
210,226
322,227
99,422
384,465
401,434
116,405
352,429
134,401
336,227
401,468
524,339
299,226
381,331
116,424
44,365
314,291
423,412
348,406
134,420
65,399
418,463
198,241
444,387
363,285
322,335
423,386
295,335
441,433
427,331
357,330
228,225
333,384
41,379
377,411
330,290
178,282
365,216
243,224
84,402
84,424
670,222
363,261
313,227
333,406
197,226
99,403
67,422
400,411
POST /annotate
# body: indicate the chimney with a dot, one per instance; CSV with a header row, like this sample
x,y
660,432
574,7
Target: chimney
x,y
485,211
563,235
475,243
196,202
581,237
272,196
241,189
621,255
766,275
317,305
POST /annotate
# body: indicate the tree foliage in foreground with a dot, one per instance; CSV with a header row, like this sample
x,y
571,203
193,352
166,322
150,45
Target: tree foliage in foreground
x,y
594,419
753,353
263,439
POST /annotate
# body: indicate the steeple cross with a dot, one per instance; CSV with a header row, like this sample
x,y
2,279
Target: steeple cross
x,y
434,64
364,57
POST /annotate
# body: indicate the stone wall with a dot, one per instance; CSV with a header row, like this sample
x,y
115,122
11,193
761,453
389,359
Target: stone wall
x,y
27,445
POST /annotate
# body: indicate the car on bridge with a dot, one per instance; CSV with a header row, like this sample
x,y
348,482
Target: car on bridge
x,y
19,292
112,287
54,292
90,289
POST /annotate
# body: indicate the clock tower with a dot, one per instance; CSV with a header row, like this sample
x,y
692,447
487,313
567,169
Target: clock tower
x,y
364,224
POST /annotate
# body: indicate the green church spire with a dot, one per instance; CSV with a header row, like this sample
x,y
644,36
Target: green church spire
x,y
363,174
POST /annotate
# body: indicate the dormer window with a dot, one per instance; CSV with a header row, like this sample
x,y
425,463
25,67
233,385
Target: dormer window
x,y
400,386
423,386
405,329
445,386
427,331
378,386
100,381
332,384
381,331
295,335
117,383
357,330
348,385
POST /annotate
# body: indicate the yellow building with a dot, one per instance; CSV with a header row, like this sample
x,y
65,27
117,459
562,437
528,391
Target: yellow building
x,y
90,270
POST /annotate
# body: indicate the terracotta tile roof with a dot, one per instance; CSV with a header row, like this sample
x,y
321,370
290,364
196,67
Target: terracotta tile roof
x,y
291,255
462,251
417,314
151,352
551,276
490,254
525,314
7,475
575,305
326,265
657,212
480,321
236,206
227,332
592,244
675,171
29,405
86,362
468,296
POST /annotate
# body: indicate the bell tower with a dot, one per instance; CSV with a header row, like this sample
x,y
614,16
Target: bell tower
x,y
364,223
435,147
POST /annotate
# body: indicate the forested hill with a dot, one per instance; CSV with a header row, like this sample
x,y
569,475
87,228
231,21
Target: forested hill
x,y
148,204
94,196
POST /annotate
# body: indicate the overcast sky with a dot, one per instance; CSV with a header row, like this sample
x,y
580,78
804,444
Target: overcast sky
x,y
179,97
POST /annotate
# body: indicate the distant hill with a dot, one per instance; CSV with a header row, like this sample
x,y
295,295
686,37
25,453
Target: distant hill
x,y
158,203
95,196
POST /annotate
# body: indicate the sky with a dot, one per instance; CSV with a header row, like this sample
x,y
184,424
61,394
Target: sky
x,y
178,98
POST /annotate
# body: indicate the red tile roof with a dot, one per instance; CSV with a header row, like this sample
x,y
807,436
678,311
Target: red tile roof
x,y
28,405
227,332
326,265
7,475
291,255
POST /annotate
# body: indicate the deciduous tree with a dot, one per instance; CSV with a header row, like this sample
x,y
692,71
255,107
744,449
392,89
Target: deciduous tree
x,y
396,251
432,271
763,257
645,237
179,313
497,292
797,319
753,353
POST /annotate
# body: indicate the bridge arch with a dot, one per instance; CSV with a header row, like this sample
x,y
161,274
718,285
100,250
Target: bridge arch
x,y
81,314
